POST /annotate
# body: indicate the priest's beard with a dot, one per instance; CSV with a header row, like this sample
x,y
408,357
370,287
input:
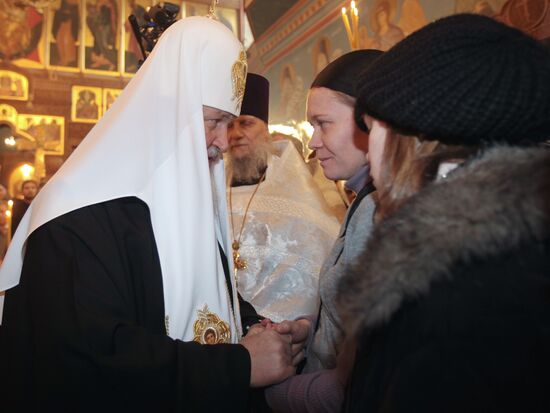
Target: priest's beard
x,y
248,169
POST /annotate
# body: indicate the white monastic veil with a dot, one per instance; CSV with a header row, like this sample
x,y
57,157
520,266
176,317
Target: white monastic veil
x,y
151,144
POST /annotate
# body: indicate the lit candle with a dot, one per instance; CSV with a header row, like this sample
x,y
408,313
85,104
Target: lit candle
x,y
8,219
348,28
355,14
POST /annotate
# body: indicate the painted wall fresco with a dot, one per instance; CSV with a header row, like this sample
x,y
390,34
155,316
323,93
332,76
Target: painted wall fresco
x,y
41,134
101,34
91,36
13,86
22,34
65,33
382,23
290,78
109,97
47,132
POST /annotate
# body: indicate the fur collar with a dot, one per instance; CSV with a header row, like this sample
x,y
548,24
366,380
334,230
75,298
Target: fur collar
x,y
490,205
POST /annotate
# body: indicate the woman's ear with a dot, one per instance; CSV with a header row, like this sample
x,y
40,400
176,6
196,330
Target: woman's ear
x,y
369,122
366,120
380,124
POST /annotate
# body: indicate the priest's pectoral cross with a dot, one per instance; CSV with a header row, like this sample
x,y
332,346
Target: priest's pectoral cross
x,y
240,263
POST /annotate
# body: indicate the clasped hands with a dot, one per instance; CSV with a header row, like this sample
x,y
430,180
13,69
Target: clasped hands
x,y
275,350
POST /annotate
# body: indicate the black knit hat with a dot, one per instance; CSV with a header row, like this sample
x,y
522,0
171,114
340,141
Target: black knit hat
x,y
465,79
256,97
342,74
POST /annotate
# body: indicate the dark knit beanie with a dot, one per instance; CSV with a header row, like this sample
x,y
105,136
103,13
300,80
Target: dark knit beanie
x,y
466,80
256,97
342,74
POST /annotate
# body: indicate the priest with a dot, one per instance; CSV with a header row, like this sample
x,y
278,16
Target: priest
x,y
282,227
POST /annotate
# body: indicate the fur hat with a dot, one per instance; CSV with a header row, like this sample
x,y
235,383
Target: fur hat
x,y
464,79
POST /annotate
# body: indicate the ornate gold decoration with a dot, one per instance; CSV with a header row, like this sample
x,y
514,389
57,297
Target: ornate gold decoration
x,y
86,104
43,134
8,113
13,86
240,263
109,97
212,10
238,76
210,329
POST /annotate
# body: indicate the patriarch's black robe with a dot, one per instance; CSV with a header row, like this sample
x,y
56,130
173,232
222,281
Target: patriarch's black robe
x,y
85,330
20,206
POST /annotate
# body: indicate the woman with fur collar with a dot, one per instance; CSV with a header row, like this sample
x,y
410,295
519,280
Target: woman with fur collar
x,y
449,306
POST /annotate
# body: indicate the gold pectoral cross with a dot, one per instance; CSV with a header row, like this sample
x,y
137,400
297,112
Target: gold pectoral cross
x,y
240,264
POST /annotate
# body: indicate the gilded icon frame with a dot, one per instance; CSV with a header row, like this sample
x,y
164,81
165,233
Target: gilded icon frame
x,y
86,104
13,86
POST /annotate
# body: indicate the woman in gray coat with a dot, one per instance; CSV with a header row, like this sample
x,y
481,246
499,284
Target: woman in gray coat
x,y
340,147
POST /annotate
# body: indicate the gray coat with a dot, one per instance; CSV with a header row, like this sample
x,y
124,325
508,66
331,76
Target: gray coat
x,y
347,247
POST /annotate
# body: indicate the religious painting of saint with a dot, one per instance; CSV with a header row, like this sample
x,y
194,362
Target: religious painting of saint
x,y
208,328
86,104
109,97
133,52
320,54
65,28
291,97
485,7
22,34
47,131
530,16
412,16
210,336
13,86
382,22
101,35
